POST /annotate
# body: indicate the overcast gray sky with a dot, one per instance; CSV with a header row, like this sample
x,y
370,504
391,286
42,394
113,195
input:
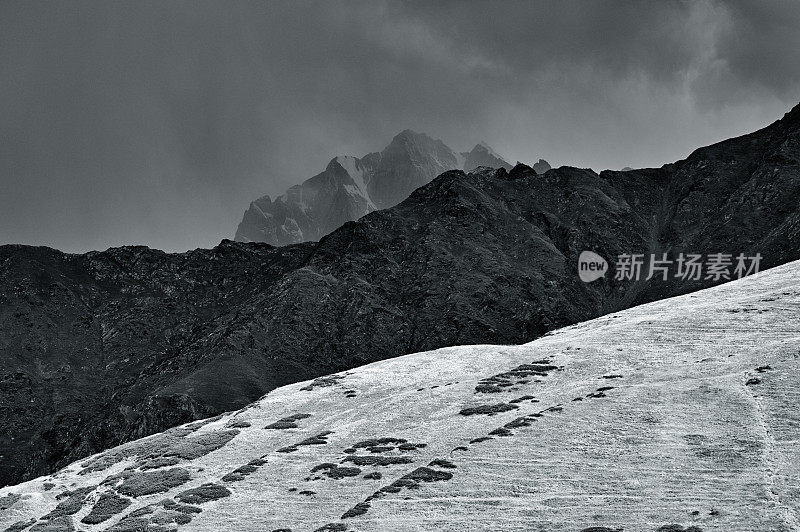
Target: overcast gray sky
x,y
157,123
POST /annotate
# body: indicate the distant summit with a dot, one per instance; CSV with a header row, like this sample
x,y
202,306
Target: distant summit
x,y
351,187
313,208
408,162
483,155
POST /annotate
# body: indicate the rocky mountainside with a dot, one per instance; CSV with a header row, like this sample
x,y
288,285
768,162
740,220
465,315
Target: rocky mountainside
x,y
676,416
103,348
351,187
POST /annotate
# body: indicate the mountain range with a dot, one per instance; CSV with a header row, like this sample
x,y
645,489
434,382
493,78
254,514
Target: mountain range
x,y
675,416
351,187
101,348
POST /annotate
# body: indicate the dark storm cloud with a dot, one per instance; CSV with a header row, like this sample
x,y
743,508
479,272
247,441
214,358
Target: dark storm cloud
x,y
757,52
157,123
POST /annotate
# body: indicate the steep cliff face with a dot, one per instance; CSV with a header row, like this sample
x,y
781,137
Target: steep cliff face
x,y
101,348
351,187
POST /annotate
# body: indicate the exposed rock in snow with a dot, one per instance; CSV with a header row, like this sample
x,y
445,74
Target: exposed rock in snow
x,y
675,415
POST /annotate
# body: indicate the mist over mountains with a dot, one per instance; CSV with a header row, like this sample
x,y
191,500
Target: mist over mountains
x,y
105,347
351,187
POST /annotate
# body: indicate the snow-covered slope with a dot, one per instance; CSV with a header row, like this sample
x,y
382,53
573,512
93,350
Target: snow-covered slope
x,y
678,412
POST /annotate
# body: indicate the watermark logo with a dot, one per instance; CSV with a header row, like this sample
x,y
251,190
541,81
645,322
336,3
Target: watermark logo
x,y
591,266
689,266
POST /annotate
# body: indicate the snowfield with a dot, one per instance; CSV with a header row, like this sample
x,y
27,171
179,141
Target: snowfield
x,y
682,412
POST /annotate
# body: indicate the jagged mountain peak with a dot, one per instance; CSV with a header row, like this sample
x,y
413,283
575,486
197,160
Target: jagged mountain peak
x,y
414,142
344,160
408,136
483,155
483,146
351,187
408,162
350,164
